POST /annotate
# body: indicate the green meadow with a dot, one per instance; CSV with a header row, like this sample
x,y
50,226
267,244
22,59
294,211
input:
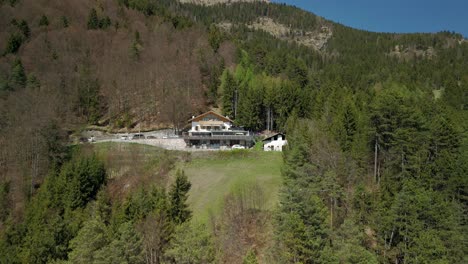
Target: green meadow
x,y
213,175
216,175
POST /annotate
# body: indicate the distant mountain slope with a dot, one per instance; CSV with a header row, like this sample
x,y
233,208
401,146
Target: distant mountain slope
x,y
214,2
291,23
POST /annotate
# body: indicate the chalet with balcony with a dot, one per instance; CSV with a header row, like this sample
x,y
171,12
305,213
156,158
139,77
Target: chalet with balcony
x,y
214,131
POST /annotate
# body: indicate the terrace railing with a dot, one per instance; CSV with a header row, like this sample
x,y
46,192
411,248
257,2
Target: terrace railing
x,y
188,136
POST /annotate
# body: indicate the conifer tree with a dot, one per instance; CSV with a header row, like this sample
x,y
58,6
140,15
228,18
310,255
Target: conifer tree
x,y
179,210
88,98
136,46
14,43
44,21
214,37
14,22
92,237
4,86
270,101
192,243
250,107
84,178
349,127
18,76
93,20
24,28
65,22
126,247
297,71
425,226
301,232
228,90
137,37
4,200
105,22
33,82
348,243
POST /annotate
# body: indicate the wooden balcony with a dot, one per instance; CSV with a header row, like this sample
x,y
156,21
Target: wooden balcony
x,y
208,136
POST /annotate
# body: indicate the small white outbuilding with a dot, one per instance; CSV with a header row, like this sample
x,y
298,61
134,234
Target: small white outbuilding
x,y
274,142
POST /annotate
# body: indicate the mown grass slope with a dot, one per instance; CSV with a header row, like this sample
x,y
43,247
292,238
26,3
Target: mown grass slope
x,y
216,175
213,175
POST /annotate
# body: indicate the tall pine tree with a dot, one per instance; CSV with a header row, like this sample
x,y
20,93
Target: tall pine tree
x,y
178,195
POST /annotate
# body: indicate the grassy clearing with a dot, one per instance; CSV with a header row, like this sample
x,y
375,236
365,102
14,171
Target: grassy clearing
x,y
215,175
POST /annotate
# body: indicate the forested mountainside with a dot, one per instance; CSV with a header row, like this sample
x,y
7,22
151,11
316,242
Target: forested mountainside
x,y
377,158
68,64
214,2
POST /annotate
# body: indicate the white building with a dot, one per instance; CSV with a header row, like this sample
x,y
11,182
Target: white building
x,y
275,142
212,130
210,121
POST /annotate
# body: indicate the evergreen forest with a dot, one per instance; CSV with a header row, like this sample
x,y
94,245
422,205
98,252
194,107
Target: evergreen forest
x,y
375,170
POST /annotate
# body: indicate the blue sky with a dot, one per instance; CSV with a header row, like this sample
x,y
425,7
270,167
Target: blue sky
x,y
401,16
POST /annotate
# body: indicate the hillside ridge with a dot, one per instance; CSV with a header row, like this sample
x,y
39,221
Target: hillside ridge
x,y
215,2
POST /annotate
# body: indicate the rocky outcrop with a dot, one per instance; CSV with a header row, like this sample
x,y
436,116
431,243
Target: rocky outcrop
x,y
407,53
316,39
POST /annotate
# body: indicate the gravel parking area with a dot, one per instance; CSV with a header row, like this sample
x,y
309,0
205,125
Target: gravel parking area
x,y
162,138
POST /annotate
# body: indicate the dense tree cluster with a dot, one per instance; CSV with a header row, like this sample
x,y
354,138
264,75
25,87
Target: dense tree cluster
x,y
72,220
54,214
16,38
407,209
94,22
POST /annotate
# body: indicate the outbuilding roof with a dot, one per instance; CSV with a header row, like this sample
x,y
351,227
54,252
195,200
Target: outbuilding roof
x,y
274,135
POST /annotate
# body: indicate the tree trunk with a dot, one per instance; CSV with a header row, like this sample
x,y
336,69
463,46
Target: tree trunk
x,y
378,173
236,99
272,120
391,238
375,161
331,213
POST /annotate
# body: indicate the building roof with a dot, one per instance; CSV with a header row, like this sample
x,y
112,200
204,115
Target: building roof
x,y
274,135
200,117
211,123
